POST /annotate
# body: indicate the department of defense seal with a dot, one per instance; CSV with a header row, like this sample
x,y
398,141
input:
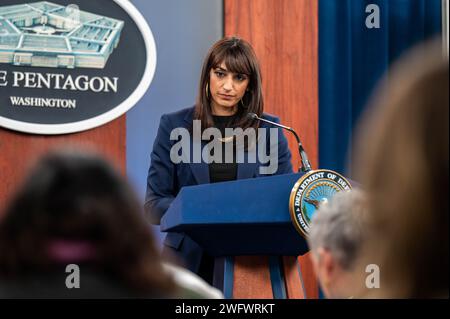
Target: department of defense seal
x,y
311,190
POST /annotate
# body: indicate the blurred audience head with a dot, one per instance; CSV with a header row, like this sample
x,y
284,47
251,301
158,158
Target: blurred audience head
x,y
74,208
336,239
402,159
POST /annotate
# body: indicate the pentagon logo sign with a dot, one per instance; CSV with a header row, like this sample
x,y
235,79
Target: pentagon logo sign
x,y
71,66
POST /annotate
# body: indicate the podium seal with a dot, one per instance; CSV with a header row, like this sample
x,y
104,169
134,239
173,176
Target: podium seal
x,y
311,190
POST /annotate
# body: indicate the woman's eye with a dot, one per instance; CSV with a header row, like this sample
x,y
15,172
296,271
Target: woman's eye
x,y
219,74
241,77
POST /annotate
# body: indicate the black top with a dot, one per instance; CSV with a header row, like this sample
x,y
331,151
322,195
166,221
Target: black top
x,y
222,172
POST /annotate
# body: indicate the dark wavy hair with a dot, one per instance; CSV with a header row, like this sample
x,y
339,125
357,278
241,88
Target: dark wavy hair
x,y
71,197
239,57
402,159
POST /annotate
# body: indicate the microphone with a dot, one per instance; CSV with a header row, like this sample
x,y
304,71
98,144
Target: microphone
x,y
306,166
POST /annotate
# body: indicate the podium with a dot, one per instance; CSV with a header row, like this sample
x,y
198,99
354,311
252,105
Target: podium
x,y
246,225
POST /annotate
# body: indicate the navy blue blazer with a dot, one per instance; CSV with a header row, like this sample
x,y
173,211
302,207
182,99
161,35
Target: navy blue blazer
x,y
165,179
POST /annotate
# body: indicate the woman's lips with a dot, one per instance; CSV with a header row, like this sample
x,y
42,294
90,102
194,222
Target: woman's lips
x,y
226,96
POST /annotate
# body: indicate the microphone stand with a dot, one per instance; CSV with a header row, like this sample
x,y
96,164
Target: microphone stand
x,y
306,166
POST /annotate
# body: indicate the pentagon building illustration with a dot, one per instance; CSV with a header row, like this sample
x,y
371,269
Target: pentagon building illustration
x,y
44,34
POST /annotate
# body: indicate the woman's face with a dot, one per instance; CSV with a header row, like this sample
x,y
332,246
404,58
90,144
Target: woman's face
x,y
226,90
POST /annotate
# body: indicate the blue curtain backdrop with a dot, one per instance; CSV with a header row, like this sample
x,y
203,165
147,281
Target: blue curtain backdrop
x,y
353,58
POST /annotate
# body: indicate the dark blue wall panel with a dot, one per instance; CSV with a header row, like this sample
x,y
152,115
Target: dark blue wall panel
x,y
183,32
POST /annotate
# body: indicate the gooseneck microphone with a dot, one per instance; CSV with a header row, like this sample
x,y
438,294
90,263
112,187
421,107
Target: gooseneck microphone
x,y
306,166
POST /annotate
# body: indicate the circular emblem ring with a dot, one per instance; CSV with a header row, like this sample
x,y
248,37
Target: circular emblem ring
x,y
311,190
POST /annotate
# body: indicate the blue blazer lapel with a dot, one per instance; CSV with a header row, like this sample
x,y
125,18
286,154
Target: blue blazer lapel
x,y
199,170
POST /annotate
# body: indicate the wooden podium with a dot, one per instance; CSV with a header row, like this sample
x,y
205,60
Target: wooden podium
x,y
246,225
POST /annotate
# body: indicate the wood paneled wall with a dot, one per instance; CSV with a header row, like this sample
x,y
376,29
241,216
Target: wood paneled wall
x,y
284,34
19,151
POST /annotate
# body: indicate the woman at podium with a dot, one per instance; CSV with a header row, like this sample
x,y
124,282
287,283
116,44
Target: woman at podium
x,y
214,141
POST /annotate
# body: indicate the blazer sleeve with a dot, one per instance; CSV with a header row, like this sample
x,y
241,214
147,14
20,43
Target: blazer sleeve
x,y
284,154
161,175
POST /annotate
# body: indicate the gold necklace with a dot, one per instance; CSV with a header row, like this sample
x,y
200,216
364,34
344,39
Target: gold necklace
x,y
226,139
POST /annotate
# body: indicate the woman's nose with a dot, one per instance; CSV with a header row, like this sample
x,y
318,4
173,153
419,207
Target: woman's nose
x,y
228,83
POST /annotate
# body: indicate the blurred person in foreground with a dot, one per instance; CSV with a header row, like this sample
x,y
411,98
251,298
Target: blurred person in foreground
x,y
74,208
402,159
336,240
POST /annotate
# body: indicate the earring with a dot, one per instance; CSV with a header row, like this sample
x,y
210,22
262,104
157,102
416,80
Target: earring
x,y
207,90
242,102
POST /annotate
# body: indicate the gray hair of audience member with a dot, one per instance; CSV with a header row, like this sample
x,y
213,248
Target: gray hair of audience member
x,y
338,226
